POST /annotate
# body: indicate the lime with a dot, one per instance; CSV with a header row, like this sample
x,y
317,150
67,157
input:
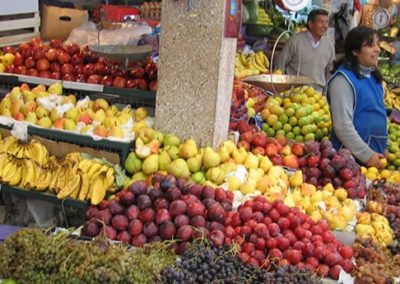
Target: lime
x,y
293,121
283,118
296,130
301,112
290,135
270,132
309,136
391,157
295,106
303,121
264,127
299,138
393,148
391,167
287,127
277,125
280,133
325,131
319,134
396,162
305,129
392,137
290,112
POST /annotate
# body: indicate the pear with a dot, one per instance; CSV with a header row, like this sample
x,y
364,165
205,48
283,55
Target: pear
x,y
173,152
289,201
163,161
296,179
264,183
228,167
55,88
237,157
255,174
347,213
157,135
154,146
316,196
188,149
229,146
265,163
142,151
117,132
171,139
178,168
31,117
198,177
139,176
215,175
223,153
316,216
150,164
194,163
248,187
233,183
251,161
132,163
45,122
99,116
210,158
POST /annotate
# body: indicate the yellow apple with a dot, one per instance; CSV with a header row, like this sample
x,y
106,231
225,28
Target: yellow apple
x,y
69,124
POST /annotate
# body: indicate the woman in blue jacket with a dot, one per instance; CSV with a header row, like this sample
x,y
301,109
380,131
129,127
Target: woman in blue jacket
x,y
355,95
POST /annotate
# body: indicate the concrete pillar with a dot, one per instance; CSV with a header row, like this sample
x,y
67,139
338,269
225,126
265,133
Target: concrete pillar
x,y
195,74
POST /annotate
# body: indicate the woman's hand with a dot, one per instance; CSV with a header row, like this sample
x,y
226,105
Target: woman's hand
x,y
374,161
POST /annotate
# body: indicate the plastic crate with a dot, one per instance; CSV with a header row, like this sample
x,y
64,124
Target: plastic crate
x,y
66,204
135,98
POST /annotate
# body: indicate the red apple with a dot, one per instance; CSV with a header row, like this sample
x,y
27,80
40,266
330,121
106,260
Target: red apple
x,y
153,86
80,78
88,69
72,49
78,69
38,53
32,72
93,79
18,59
298,149
44,74
137,72
42,65
55,75
20,70
55,43
68,77
51,54
119,82
76,59
63,57
55,67
29,63
9,49
131,83
99,68
67,69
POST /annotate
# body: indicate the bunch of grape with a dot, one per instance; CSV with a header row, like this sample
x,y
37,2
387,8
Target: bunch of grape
x,y
32,256
202,263
375,263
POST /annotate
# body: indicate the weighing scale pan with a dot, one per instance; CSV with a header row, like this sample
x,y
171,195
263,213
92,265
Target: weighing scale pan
x,y
278,83
121,53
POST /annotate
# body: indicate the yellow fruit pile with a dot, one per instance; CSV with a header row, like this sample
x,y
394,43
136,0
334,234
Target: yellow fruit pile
x,y
29,166
328,203
302,116
252,64
375,226
48,108
5,61
372,173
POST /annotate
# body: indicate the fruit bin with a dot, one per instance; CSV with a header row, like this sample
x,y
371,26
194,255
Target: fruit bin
x,y
76,205
19,21
135,98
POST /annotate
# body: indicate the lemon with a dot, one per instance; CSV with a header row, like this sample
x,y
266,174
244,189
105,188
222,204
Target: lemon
x,y
371,176
309,91
265,113
287,127
275,109
277,125
272,119
373,170
385,174
364,170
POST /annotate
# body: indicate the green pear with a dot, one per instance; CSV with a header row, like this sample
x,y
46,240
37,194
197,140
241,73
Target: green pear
x,y
173,152
210,158
150,164
178,168
55,88
157,135
163,161
188,149
171,139
198,177
132,163
194,163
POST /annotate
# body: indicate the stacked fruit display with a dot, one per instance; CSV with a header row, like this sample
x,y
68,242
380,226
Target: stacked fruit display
x,y
33,256
373,173
374,263
166,209
49,108
29,166
327,203
74,63
254,63
394,146
374,226
272,231
303,115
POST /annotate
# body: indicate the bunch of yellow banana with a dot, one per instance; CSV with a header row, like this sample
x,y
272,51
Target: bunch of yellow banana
x,y
392,100
262,17
375,226
97,179
254,63
33,150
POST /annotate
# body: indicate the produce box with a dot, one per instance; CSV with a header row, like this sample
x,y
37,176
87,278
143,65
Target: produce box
x,y
57,23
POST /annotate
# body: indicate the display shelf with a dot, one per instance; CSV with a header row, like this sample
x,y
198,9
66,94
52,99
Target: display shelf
x,y
121,148
134,97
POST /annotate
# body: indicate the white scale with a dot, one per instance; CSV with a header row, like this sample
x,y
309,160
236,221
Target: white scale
x,y
381,18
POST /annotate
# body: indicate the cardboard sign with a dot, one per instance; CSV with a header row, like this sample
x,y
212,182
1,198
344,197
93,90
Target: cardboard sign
x,y
233,18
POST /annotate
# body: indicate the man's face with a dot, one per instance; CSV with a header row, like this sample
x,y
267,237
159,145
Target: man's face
x,y
319,26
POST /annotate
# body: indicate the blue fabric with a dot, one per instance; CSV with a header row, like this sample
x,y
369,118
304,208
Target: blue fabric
x,y
369,112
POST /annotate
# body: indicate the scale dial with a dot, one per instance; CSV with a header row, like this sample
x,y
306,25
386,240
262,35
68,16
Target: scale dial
x,y
381,18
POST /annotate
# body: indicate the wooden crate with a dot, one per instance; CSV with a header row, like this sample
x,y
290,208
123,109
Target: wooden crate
x,y
18,28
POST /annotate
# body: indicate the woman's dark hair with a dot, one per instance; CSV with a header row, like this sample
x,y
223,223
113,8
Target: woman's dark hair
x,y
354,41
